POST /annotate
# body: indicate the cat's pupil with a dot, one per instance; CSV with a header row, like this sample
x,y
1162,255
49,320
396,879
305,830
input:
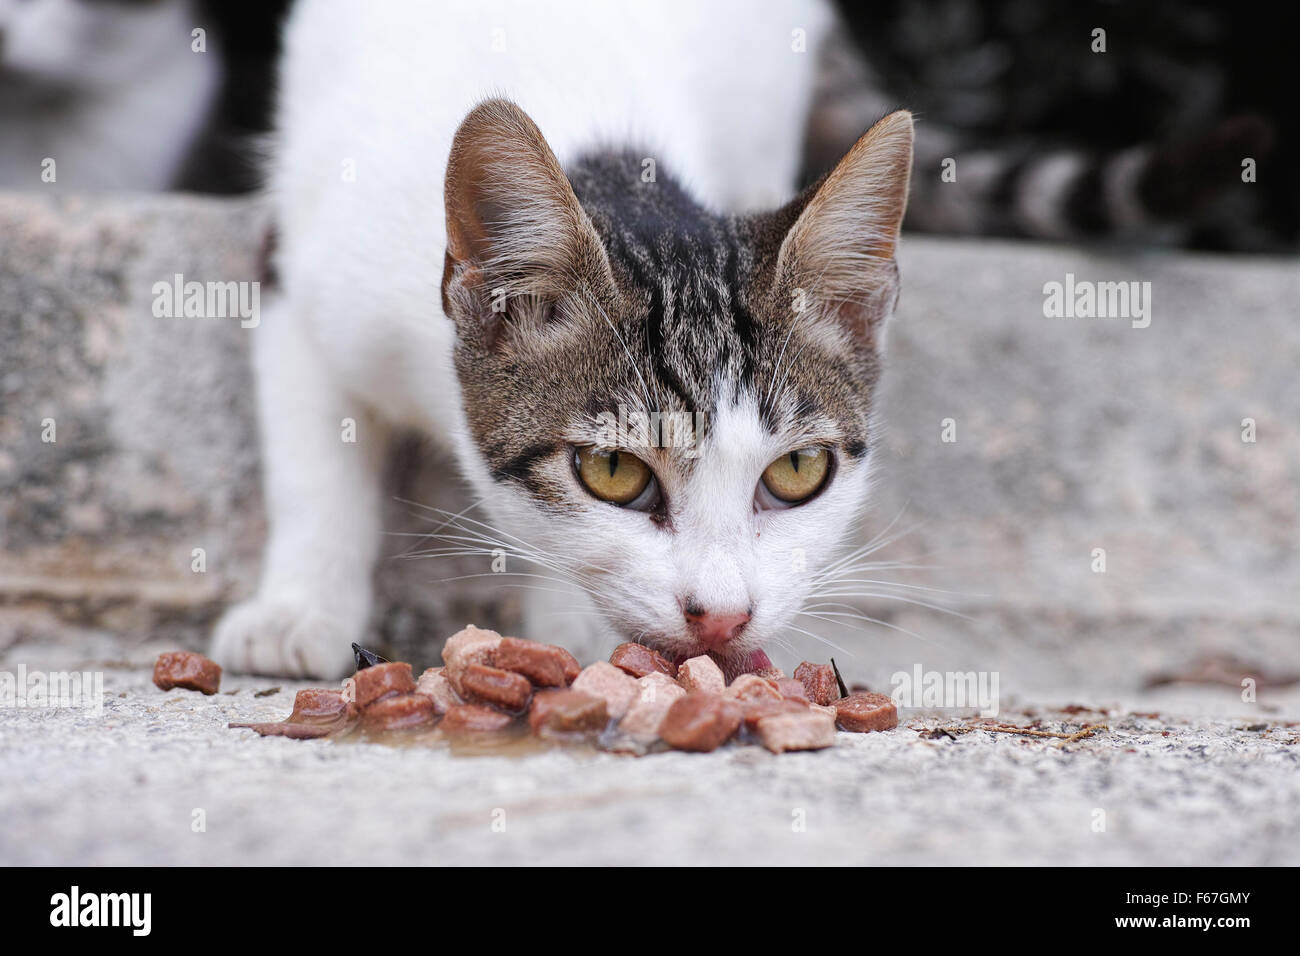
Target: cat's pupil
x,y
613,463
794,461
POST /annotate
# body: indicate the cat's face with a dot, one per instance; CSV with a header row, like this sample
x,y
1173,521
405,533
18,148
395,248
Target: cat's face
x,y
80,45
669,408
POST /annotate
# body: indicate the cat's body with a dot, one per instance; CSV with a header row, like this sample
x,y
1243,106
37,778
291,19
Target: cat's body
x,y
100,95
646,290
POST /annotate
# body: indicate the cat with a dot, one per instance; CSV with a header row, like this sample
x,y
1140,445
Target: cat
x,y
104,95
513,225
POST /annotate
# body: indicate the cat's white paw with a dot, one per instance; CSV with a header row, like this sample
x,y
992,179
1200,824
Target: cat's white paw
x,y
284,637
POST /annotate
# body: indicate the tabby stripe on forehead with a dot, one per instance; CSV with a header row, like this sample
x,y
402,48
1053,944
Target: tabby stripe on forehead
x,y
746,329
632,259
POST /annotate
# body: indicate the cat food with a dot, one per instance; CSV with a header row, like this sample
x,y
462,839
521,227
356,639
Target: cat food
x,y
801,729
567,711
658,692
751,687
319,704
700,722
818,681
607,682
860,713
756,710
791,689
471,646
703,675
317,712
187,670
639,661
546,665
399,712
474,719
433,684
293,729
381,680
491,685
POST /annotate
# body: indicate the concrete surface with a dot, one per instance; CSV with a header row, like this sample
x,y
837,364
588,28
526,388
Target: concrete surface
x,y
122,788
1071,435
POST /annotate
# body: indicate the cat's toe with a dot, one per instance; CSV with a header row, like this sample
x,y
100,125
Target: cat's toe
x,y
285,638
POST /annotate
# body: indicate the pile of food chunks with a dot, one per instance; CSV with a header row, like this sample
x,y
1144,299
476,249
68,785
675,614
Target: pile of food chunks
x,y
637,702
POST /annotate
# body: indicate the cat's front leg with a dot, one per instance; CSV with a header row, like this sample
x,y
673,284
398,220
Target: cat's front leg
x,y
322,456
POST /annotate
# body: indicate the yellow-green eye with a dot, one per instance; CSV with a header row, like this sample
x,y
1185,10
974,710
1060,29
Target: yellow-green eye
x,y
799,475
612,475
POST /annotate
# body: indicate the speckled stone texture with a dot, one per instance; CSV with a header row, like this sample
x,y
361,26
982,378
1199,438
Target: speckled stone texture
x,y
124,788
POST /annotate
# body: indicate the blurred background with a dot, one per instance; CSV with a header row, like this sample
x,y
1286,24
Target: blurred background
x,y
130,83
1071,437
1196,83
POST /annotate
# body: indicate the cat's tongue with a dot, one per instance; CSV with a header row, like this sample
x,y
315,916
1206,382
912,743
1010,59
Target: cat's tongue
x,y
757,661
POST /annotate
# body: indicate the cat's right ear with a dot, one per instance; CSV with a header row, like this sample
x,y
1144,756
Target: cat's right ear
x,y
517,238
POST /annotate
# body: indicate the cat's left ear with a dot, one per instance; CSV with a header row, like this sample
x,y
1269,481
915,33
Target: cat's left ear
x,y
515,229
838,256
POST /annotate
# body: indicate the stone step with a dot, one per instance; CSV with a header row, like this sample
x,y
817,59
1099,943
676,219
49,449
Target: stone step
x,y
1070,435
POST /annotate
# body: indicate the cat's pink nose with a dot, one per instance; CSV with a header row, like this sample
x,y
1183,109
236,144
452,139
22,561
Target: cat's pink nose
x,y
714,630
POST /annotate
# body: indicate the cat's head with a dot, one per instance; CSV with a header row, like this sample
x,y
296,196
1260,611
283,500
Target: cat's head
x,y
671,408
86,45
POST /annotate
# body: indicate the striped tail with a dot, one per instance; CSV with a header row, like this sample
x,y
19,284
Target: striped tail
x,y
1030,188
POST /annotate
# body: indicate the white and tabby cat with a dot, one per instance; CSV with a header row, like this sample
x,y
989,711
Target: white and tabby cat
x,y
111,91
572,283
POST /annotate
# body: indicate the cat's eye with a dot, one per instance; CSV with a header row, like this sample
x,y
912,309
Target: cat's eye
x,y
795,477
615,476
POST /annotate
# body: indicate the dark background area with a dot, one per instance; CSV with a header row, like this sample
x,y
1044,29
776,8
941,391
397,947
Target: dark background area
x,y
1015,70
993,71
223,160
